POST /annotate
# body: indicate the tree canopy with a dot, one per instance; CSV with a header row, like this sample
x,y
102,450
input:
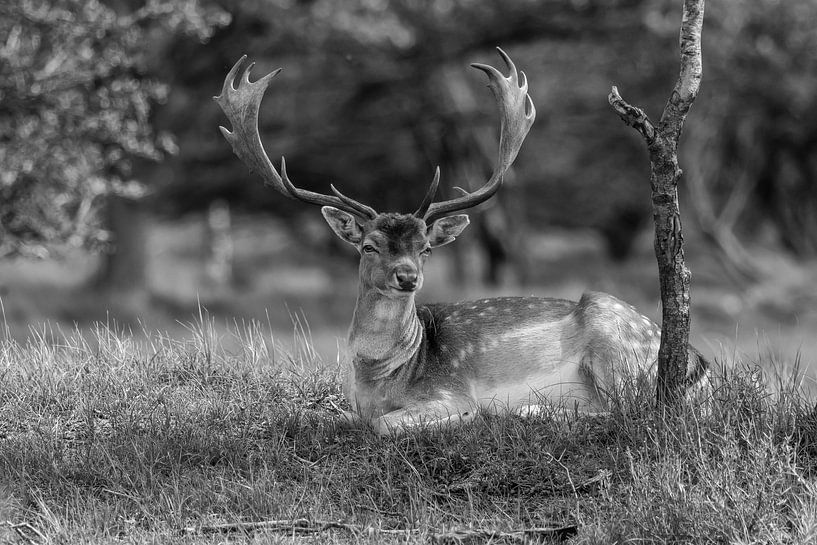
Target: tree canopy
x,y
76,96
375,93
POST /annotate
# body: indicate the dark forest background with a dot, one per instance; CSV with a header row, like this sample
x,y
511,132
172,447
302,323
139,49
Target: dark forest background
x,y
121,201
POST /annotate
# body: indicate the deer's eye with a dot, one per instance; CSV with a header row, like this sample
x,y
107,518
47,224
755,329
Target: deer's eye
x,y
426,252
369,249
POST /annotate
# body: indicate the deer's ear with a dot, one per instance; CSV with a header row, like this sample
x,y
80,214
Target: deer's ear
x,y
445,230
343,224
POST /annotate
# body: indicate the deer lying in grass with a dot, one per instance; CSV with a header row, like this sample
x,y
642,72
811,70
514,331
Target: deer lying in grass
x,y
438,363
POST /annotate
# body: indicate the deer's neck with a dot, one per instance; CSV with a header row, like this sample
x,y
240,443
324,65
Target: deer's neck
x,y
385,333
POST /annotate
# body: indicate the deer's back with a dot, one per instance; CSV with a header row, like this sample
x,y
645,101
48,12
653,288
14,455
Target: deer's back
x,y
503,349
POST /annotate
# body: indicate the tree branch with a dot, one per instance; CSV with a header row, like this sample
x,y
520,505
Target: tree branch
x,y
689,79
455,535
295,526
631,115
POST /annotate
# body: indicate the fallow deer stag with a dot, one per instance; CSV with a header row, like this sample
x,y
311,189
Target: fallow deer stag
x,y
439,363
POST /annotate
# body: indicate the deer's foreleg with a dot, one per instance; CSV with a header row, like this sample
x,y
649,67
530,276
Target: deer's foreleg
x,y
435,413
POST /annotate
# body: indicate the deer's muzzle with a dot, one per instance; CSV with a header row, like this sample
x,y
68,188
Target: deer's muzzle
x,y
406,277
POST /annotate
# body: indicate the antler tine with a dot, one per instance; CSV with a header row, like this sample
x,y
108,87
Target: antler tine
x,y
365,210
241,104
513,76
341,201
517,114
429,197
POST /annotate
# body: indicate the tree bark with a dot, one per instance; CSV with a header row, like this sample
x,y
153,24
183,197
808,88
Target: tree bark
x,y
124,267
662,144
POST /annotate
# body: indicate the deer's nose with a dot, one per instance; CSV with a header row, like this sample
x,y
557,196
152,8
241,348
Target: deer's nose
x,y
406,278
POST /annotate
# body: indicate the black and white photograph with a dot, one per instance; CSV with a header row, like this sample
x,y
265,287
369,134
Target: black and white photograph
x,y
408,271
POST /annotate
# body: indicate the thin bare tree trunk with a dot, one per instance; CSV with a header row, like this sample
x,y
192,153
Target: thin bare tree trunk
x,y
662,143
218,246
124,268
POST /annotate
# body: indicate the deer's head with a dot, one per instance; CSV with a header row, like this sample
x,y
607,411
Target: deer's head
x,y
393,247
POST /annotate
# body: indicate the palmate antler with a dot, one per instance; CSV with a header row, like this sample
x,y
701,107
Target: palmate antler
x,y
517,116
240,105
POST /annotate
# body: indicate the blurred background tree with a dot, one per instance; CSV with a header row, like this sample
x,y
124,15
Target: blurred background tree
x,y
754,144
374,95
78,82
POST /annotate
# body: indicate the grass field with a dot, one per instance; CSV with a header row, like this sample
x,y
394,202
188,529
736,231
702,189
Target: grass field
x,y
109,436
124,438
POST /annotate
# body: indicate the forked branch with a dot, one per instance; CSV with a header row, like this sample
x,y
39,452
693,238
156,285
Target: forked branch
x,y
686,86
